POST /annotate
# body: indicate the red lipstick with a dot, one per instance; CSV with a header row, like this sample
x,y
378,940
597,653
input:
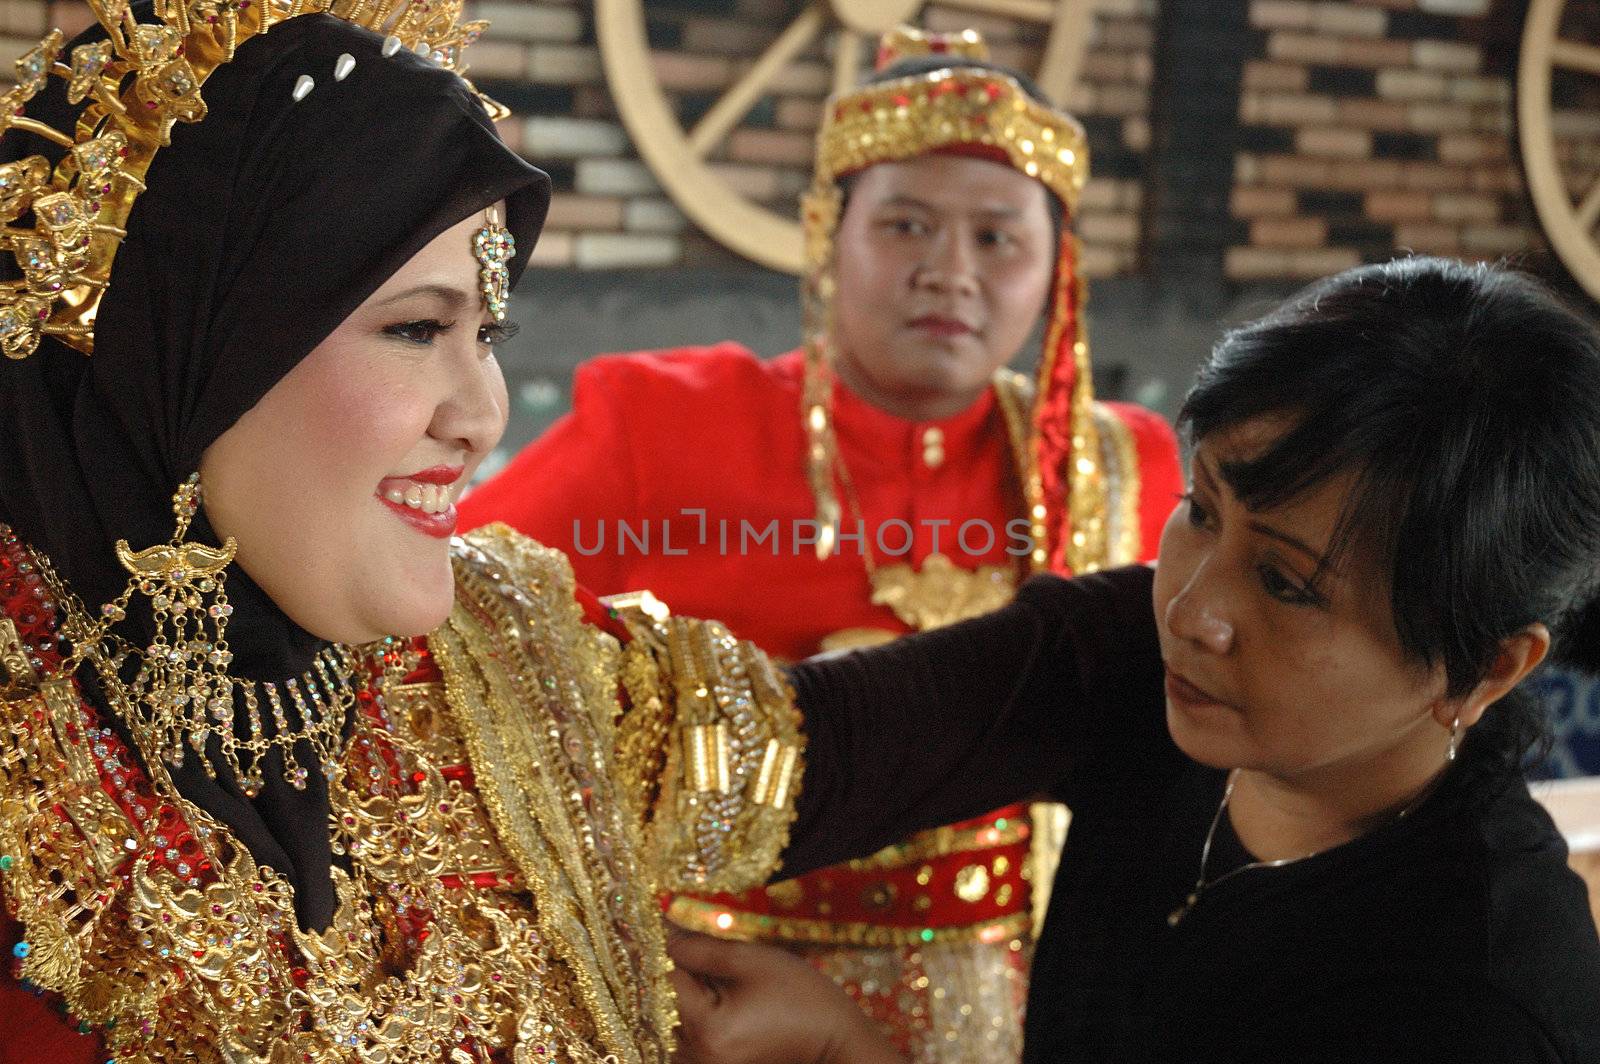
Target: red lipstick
x,y
439,525
439,474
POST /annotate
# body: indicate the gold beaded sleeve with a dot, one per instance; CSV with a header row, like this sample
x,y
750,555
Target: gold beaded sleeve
x,y
712,743
706,748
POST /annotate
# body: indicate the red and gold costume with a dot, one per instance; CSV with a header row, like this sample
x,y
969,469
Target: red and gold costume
x,y
499,901
492,810
689,473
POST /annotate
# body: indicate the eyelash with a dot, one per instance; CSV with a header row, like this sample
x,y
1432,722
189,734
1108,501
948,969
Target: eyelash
x,y
1273,582
906,227
426,330
996,238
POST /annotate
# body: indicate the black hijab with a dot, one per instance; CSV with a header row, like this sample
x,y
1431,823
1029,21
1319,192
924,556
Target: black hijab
x,y
263,227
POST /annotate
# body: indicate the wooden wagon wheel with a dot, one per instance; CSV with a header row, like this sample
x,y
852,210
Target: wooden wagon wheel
x,y
1569,219
678,157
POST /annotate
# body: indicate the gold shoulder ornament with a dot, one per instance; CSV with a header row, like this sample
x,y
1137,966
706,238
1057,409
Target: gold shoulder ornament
x,y
713,740
693,784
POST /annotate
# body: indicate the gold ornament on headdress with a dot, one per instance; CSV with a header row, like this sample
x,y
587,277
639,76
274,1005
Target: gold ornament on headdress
x,y
955,108
135,87
494,247
906,42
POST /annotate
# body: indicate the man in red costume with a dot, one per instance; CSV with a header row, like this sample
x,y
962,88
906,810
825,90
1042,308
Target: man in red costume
x,y
889,476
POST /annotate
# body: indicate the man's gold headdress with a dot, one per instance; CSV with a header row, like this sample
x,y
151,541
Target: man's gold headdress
x,y
135,86
971,110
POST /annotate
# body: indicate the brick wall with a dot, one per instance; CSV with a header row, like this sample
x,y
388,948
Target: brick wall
x,y
1373,126
542,59
1363,127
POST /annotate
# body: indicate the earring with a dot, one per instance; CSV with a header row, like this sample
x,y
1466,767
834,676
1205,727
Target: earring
x,y
1455,733
494,247
183,679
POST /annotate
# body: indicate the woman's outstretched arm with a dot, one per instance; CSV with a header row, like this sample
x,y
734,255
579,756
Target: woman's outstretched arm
x,y
1059,691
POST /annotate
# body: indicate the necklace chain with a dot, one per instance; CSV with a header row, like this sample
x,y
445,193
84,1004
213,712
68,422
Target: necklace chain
x,y
1201,885
182,694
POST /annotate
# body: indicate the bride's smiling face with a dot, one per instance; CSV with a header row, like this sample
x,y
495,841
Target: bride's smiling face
x,y
340,484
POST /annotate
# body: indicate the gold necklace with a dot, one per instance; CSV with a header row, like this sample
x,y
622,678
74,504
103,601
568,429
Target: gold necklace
x,y
182,695
408,972
940,592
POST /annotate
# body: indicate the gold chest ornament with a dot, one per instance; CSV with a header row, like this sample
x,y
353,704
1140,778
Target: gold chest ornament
x,y
199,956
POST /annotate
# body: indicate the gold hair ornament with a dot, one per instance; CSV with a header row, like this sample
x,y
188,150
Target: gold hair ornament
x,y
494,247
906,42
135,87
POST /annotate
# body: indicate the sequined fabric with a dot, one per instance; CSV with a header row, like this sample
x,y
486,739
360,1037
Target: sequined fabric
x,y
495,905
943,1003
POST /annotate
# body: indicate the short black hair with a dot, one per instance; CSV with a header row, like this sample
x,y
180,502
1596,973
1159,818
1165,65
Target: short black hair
x,y
916,65
1465,399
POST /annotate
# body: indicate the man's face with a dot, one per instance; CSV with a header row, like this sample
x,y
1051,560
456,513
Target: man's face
x,y
943,265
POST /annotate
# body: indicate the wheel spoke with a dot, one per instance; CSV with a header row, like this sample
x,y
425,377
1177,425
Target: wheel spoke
x,y
1036,10
1063,54
719,121
846,60
1589,210
1575,55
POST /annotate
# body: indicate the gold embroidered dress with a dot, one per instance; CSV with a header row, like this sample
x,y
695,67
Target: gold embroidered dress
x,y
230,840
498,897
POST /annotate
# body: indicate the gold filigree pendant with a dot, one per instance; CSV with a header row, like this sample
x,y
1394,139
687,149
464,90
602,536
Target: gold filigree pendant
x,y
941,592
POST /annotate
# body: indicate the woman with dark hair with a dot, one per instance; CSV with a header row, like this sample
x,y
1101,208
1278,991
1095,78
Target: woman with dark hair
x,y
1300,829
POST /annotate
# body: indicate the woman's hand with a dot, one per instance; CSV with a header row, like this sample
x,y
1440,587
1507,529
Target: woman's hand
x,y
745,1003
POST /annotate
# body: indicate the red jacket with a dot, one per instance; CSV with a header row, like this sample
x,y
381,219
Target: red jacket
x,y
717,430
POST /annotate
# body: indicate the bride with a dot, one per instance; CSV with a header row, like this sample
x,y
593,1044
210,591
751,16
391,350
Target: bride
x,y
252,365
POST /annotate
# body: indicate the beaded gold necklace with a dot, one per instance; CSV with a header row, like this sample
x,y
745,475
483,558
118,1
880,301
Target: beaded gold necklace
x,y
182,695
408,972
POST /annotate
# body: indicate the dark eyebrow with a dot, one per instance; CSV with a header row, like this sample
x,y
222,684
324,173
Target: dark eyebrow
x,y
1283,537
1317,557
452,298
903,200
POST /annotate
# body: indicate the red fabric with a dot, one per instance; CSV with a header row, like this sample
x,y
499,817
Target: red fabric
x,y
715,428
1161,480
1052,414
31,1030
887,897
597,614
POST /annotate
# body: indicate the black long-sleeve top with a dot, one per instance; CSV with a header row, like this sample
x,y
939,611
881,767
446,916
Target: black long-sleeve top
x,y
1457,933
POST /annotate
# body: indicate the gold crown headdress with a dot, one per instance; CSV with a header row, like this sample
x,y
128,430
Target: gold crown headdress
x,y
987,113
135,86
